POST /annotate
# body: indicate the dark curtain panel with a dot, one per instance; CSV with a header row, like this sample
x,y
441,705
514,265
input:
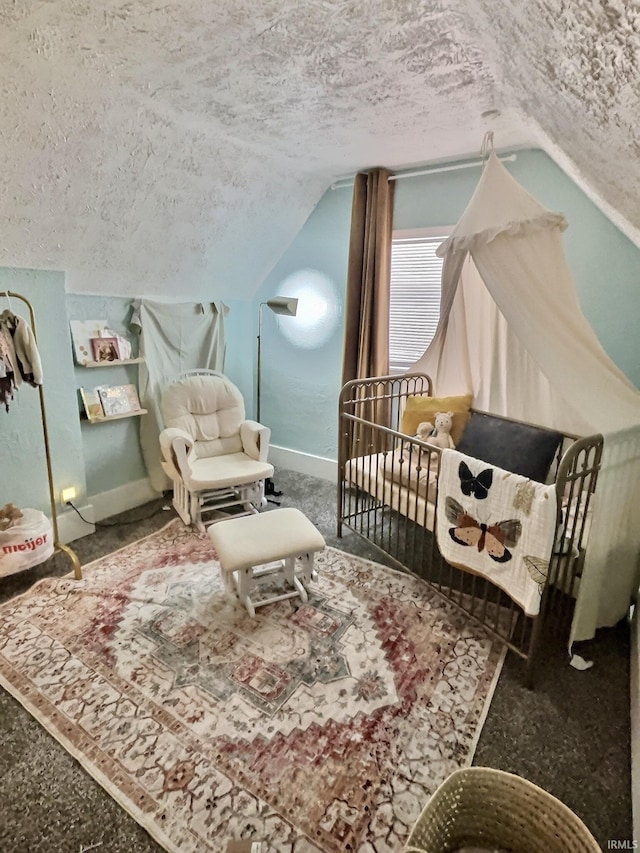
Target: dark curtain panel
x,y
366,342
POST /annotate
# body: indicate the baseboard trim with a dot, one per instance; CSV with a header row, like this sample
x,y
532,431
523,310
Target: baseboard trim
x,y
303,463
106,504
131,495
103,505
71,526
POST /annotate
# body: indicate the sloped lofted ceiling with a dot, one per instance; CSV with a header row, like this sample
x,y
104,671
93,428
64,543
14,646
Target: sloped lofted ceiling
x,y
176,148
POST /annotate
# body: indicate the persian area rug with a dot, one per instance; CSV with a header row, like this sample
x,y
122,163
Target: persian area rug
x,y
322,726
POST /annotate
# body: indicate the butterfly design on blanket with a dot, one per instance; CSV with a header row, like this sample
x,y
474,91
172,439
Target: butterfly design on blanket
x,y
495,539
477,485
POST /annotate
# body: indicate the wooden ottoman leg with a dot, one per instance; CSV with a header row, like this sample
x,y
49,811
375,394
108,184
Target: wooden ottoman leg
x,y
307,573
245,585
292,577
229,582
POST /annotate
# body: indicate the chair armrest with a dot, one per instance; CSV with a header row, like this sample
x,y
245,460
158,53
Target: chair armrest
x,y
255,440
175,447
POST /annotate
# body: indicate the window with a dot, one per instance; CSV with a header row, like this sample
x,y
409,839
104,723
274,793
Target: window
x,y
414,307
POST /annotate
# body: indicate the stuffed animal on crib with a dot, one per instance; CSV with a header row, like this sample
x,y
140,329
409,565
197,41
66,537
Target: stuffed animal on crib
x,y
441,436
425,429
9,514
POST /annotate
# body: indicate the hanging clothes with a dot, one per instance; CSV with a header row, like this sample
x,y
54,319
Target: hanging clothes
x,y
19,357
174,337
7,367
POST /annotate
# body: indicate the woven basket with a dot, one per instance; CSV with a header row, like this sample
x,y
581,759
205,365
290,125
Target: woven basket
x,y
491,809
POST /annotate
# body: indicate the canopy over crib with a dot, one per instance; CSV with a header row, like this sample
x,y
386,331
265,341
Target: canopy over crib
x,y
512,334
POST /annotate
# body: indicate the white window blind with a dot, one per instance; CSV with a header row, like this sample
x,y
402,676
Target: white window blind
x,y
414,307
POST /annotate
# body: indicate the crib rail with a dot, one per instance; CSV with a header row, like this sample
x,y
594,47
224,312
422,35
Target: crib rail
x,y
387,493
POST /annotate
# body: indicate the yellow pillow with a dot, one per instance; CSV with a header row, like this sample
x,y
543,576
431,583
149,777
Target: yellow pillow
x,y
420,409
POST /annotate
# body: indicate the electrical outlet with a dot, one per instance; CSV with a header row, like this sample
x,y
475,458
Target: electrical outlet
x,y
69,495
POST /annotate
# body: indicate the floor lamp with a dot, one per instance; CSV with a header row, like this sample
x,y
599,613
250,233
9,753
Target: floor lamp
x,y
279,305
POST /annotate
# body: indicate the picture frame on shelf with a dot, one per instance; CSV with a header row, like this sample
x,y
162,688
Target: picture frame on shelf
x,y
105,349
82,331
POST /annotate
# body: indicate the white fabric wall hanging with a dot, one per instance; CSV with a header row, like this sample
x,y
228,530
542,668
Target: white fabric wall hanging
x,y
174,337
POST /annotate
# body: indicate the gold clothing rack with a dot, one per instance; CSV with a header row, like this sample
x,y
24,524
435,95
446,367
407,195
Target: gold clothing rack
x,y
71,554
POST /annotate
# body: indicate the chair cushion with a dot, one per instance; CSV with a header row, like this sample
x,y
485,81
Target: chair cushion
x,y
263,538
210,409
232,469
519,447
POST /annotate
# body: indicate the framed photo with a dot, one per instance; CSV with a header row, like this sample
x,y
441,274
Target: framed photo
x,y
105,349
81,332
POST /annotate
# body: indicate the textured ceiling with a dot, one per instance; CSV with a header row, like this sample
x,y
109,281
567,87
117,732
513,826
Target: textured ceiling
x,y
176,148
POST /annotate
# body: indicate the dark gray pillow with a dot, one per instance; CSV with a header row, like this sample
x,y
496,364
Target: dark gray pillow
x,y
518,447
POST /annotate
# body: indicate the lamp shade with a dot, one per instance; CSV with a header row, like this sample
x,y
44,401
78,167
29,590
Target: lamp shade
x,y
283,305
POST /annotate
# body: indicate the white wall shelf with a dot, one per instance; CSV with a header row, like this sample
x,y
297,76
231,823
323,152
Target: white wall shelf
x,y
98,403
115,363
115,417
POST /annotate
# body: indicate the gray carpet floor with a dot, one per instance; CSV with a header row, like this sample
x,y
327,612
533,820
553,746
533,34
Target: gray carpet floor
x,y
571,735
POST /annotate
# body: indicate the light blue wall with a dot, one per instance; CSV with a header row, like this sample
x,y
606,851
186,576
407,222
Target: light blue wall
x,y
239,361
301,386
95,458
22,459
111,451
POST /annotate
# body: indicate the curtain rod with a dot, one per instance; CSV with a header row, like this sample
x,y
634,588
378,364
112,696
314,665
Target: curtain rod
x,y
336,185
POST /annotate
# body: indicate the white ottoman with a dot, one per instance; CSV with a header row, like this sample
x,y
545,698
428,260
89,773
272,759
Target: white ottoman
x,y
257,549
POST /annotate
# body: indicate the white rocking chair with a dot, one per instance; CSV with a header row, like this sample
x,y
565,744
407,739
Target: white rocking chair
x,y
216,458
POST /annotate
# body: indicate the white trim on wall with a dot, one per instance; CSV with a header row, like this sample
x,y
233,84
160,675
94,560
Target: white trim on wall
x,y
104,505
71,526
303,463
131,495
122,498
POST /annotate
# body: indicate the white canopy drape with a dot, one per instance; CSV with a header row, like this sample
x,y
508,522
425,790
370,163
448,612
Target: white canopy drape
x,y
512,333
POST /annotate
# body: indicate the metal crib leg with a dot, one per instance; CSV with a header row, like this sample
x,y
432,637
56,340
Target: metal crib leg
x,y
532,655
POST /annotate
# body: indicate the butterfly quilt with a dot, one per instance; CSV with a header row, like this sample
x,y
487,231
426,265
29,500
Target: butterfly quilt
x,y
497,524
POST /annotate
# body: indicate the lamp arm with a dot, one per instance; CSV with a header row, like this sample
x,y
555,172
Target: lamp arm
x,y
279,305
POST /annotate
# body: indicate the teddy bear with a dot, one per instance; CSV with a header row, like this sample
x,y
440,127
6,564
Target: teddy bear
x,y
9,513
441,436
